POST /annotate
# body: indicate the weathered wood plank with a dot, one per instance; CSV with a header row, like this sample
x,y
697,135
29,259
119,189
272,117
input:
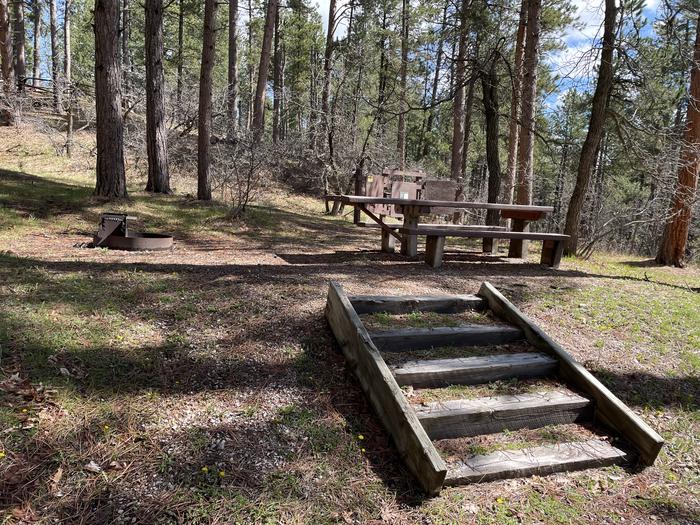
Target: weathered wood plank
x,y
472,227
358,199
403,304
563,457
474,370
609,409
488,415
472,335
434,248
480,234
384,394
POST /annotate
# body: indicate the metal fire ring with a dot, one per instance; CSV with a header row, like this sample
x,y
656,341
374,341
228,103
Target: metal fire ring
x,y
114,234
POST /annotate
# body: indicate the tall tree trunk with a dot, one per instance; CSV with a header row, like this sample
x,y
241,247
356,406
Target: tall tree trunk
x,y
19,46
401,135
111,178
526,138
126,54
458,103
276,81
232,69
383,73
263,68
205,102
180,49
514,123
675,236
156,134
8,78
251,70
489,87
68,74
468,106
327,70
599,106
436,81
55,58
36,44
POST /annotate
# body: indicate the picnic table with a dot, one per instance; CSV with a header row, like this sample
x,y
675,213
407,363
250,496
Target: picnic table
x,y
413,209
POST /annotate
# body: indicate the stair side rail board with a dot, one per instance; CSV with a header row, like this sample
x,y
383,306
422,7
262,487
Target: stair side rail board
x,y
384,394
608,408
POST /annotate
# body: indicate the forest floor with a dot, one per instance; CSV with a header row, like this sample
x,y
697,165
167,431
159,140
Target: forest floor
x,y
203,385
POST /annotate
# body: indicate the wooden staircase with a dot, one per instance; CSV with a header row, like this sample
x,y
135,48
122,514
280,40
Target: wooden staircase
x,y
419,426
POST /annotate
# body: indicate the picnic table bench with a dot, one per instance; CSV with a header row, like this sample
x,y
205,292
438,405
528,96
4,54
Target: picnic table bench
x,y
412,209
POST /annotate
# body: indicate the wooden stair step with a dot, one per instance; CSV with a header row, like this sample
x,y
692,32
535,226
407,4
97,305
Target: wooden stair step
x,y
367,304
469,335
562,457
474,370
488,415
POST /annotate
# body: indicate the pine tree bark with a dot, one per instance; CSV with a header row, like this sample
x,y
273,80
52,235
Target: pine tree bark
x,y
156,133
263,69
459,87
383,74
276,81
55,58
526,138
233,69
327,70
67,48
675,237
180,49
111,178
126,54
403,72
514,123
489,87
205,102
68,74
8,77
596,125
468,106
20,60
36,44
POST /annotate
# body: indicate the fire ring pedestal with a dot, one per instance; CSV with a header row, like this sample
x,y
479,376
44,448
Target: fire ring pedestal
x,y
114,234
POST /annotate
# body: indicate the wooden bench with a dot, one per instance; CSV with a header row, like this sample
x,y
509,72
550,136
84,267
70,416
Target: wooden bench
x,y
389,242
552,243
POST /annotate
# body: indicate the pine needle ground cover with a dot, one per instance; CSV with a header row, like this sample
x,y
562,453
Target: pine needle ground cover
x,y
202,385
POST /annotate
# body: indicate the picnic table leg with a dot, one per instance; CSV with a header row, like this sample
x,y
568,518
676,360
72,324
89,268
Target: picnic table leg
x,y
490,246
388,242
518,247
552,252
434,248
409,245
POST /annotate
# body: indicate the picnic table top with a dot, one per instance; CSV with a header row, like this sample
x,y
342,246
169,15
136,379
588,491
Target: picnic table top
x,y
357,199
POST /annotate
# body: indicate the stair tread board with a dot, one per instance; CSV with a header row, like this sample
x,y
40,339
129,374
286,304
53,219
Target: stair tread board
x,y
365,304
475,369
466,335
487,415
546,459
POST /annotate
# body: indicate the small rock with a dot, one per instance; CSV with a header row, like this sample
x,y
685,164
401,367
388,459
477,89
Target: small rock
x,y
93,467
